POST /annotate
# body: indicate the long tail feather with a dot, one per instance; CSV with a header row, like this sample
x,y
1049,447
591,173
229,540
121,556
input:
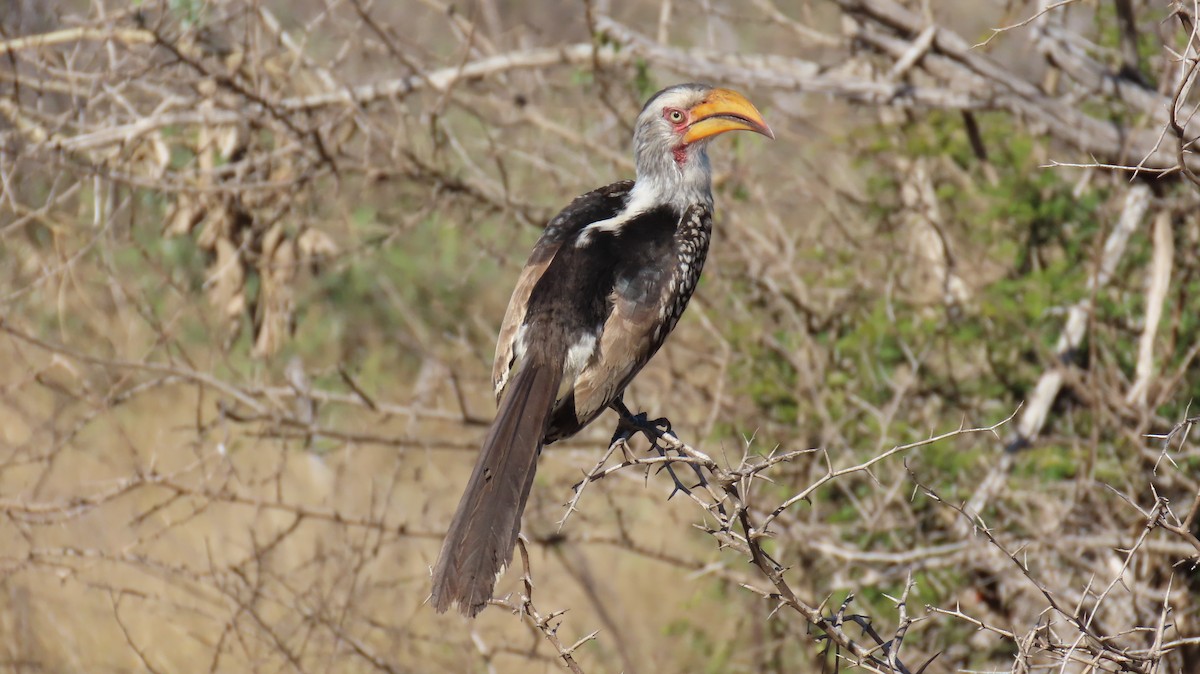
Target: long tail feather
x,y
480,541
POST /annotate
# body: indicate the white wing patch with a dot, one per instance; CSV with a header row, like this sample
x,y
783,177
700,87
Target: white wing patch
x,y
642,198
578,356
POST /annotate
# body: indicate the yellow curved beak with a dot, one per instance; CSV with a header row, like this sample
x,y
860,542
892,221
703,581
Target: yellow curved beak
x,y
724,110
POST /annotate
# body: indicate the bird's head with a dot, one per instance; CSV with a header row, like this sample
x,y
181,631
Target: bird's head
x,y
673,130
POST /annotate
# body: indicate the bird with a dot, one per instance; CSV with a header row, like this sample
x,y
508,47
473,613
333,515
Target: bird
x,y
606,282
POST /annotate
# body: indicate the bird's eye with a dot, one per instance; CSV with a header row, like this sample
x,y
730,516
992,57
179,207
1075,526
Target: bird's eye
x,y
676,116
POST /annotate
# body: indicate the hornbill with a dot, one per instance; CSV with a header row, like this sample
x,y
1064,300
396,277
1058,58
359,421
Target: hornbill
x,y
607,281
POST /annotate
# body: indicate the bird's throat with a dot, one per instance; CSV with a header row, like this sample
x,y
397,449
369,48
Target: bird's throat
x,y
681,154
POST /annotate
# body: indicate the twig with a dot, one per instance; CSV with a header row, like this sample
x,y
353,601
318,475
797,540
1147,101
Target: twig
x,y
544,624
1021,24
804,494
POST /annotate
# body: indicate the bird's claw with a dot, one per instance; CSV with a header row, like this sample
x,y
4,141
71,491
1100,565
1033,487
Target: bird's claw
x,y
661,425
655,430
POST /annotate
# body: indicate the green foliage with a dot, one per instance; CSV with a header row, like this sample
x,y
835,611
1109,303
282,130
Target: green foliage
x,y
643,81
429,280
189,12
1026,221
1108,35
1027,236
705,653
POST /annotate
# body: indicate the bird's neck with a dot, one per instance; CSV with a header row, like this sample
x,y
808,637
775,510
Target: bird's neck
x,y
680,179
662,180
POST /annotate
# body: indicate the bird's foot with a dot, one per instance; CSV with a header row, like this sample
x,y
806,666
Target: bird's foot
x,y
630,424
655,431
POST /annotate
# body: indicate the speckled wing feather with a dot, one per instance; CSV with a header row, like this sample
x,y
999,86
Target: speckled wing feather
x,y
643,313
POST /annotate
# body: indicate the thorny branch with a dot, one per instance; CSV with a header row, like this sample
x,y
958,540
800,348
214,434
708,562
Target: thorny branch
x,y
730,494
546,624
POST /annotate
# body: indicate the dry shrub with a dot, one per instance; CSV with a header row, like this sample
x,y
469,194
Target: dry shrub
x,y
934,388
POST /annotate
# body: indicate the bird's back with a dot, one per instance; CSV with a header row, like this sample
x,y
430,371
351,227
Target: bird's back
x,y
599,204
611,280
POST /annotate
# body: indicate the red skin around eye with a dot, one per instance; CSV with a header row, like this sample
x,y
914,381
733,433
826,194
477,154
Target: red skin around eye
x,y
683,122
680,151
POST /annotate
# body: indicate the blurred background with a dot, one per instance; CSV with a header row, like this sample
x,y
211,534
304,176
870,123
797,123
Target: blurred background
x,y
254,256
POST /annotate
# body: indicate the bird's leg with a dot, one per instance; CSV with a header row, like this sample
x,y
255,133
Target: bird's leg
x,y
632,423
622,435
654,430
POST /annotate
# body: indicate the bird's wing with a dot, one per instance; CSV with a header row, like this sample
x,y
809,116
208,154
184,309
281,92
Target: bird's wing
x,y
642,314
625,346
594,206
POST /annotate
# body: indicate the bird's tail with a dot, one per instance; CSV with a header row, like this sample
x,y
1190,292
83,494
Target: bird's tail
x,y
479,544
